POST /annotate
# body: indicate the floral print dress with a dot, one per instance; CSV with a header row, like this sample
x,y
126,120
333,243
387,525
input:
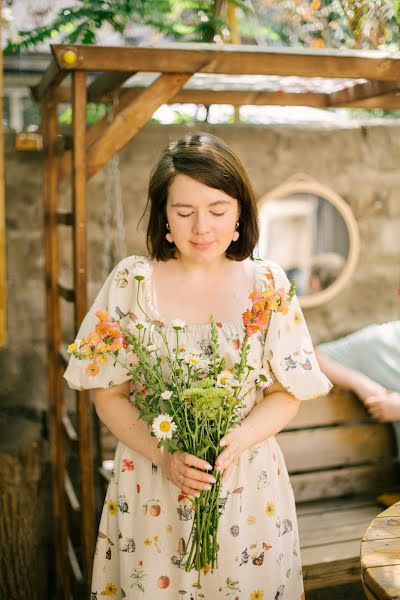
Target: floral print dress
x,y
146,519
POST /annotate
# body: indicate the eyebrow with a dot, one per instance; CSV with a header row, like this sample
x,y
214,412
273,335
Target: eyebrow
x,y
181,204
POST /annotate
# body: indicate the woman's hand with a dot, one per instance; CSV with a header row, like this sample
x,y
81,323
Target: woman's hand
x,y
235,442
384,407
182,469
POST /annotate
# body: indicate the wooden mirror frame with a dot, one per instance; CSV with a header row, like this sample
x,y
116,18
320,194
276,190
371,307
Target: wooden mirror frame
x,y
302,183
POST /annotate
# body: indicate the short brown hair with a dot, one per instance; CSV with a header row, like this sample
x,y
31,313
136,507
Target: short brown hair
x,y
210,161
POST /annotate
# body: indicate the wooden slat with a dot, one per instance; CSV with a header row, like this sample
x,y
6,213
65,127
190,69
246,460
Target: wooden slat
x,y
80,276
128,122
383,582
69,430
378,553
67,293
107,84
326,566
362,91
231,59
383,528
51,78
333,483
320,507
252,97
74,564
339,406
335,526
50,199
326,447
71,494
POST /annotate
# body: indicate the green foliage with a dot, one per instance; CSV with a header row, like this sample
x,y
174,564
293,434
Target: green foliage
x,y
179,19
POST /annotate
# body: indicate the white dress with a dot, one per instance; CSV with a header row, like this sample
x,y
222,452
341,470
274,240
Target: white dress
x,y
145,518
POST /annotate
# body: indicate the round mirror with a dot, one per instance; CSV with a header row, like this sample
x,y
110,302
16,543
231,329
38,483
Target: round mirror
x,y
311,232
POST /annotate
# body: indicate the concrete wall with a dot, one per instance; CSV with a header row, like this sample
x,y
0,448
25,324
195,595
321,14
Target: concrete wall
x,y
361,163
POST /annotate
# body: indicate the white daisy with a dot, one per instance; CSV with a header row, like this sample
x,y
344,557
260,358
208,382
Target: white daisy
x,y
166,395
195,360
141,324
224,379
151,348
263,379
178,324
163,427
139,273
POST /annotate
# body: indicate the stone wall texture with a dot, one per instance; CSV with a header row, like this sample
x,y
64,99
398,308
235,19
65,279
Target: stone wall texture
x,y
359,162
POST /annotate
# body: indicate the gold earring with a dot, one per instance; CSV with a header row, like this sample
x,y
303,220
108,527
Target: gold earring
x,y
237,224
167,226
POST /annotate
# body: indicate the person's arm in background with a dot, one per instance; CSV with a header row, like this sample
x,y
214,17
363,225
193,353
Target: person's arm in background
x,y
381,403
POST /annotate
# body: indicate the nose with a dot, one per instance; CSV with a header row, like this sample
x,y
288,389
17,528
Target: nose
x,y
201,224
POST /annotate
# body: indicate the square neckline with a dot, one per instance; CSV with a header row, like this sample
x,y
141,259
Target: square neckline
x,y
152,304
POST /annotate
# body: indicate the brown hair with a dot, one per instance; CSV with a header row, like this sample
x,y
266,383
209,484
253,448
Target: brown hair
x,y
210,161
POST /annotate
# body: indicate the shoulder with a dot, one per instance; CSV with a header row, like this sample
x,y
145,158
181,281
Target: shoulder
x,y
270,271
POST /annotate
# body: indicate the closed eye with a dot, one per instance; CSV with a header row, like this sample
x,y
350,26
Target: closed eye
x,y
213,213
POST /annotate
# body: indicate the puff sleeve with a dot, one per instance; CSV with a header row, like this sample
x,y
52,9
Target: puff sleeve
x,y
288,349
118,295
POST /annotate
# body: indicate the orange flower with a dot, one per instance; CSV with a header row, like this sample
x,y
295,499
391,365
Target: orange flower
x,y
92,370
103,315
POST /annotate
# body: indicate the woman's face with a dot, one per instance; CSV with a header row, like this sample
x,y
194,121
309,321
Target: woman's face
x,y
202,219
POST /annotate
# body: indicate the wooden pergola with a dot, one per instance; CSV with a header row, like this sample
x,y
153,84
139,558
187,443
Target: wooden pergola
x,y
89,149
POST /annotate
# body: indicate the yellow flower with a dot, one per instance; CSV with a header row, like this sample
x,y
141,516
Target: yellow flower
x,y
155,538
251,520
297,318
72,348
147,542
112,507
270,509
110,590
257,595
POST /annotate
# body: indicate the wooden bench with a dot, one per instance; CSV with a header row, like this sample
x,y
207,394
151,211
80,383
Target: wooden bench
x,y
339,460
380,556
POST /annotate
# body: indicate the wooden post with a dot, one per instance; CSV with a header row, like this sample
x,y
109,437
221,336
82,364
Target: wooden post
x,y
79,176
55,390
3,277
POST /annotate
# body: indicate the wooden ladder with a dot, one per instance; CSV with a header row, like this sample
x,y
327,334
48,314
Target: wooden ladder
x,y
73,502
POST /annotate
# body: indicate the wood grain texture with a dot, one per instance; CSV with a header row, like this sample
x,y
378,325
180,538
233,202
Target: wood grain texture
x,y
235,60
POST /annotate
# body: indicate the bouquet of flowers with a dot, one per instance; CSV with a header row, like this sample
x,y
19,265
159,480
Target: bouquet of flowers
x,y
190,400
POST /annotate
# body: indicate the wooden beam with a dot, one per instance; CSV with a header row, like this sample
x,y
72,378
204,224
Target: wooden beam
x,y
251,97
80,277
235,60
362,91
107,84
132,118
51,78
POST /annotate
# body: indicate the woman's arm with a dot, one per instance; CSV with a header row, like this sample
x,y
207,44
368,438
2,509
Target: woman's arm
x,y
347,378
116,411
268,417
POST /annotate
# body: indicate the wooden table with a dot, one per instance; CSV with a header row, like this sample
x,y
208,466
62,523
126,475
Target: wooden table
x,y
380,556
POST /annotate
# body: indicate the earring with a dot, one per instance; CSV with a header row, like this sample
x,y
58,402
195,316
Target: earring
x,y
235,236
167,225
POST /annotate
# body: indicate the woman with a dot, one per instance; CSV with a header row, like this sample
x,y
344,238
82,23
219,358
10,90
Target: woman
x,y
201,235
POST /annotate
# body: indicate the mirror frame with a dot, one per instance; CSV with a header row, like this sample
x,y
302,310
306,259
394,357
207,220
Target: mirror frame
x,y
302,183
